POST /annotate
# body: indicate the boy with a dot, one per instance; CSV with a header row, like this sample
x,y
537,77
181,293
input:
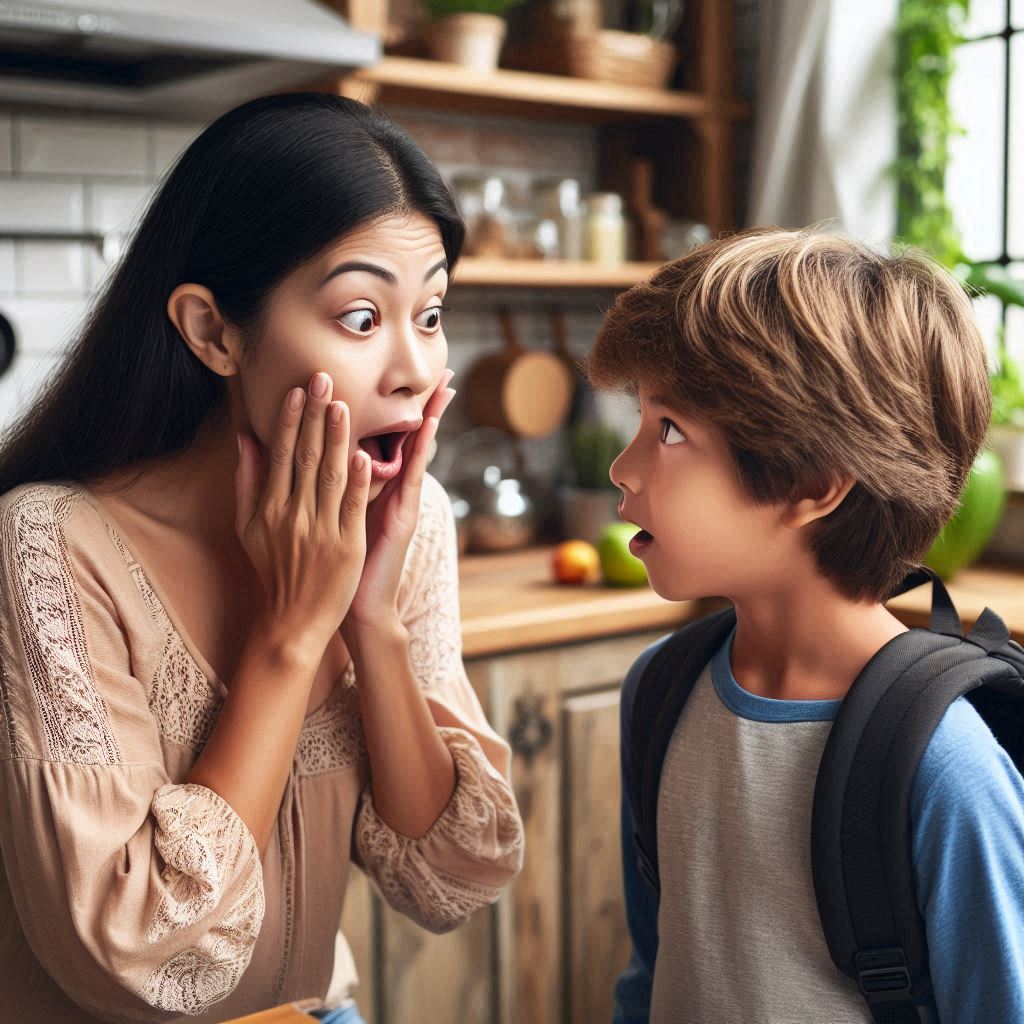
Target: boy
x,y
810,411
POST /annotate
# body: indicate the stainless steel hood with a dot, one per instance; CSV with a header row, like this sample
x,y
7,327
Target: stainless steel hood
x,y
188,57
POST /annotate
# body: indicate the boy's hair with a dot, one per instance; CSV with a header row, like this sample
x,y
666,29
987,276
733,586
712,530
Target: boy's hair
x,y
815,356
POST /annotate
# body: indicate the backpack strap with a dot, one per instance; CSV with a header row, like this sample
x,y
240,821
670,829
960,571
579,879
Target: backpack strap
x,y
661,694
862,862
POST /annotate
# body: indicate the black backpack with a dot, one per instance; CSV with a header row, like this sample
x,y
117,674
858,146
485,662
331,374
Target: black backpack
x,y
860,822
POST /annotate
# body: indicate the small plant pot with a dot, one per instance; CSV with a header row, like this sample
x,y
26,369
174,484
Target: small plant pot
x,y
472,40
1008,443
586,512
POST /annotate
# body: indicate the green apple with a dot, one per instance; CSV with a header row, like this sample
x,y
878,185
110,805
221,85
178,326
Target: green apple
x,y
964,537
619,566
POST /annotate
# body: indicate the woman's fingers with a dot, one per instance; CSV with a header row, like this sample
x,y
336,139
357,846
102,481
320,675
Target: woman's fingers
x,y
281,458
310,447
334,466
353,505
439,400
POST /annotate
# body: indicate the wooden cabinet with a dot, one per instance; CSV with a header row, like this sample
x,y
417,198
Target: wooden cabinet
x,y
550,950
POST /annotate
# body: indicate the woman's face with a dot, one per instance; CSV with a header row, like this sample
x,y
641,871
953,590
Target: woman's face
x,y
367,312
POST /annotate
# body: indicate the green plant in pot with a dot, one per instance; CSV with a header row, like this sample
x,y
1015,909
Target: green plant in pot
x,y
1001,463
467,32
591,500
927,36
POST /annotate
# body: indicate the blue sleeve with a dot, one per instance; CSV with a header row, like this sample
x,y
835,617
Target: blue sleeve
x,y
967,814
633,988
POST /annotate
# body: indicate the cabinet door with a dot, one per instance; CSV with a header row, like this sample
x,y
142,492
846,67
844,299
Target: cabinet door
x,y
561,931
597,946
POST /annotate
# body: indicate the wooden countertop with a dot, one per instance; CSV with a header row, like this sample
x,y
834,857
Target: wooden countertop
x,y
510,602
1000,587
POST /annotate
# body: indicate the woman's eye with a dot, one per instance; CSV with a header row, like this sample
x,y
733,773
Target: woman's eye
x,y
430,318
670,433
359,320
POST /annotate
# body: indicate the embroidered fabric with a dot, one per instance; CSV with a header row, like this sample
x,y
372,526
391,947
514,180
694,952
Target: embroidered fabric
x,y
207,852
481,820
75,720
435,630
210,859
332,737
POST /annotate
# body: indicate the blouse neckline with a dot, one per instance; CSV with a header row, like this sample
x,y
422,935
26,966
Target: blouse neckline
x,y
176,624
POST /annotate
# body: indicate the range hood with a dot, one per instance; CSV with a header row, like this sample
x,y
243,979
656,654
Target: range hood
x,y
188,57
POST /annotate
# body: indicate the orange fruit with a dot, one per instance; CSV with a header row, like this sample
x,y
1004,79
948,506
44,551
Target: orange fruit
x,y
575,561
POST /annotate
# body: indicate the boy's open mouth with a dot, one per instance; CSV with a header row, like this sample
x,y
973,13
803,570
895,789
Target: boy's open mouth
x,y
640,542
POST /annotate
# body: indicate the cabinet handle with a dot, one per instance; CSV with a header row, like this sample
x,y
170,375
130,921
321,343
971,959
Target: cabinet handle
x,y
531,731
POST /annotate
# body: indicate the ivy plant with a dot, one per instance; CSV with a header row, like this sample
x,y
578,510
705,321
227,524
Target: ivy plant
x,y
927,35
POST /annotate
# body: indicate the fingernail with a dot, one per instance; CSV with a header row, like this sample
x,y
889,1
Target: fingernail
x,y
448,374
295,398
238,438
334,412
318,386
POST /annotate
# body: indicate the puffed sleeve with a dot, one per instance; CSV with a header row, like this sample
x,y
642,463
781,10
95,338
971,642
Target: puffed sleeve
x,y
476,845
141,898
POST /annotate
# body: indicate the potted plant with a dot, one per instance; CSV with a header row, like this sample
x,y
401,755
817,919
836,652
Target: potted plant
x,y
591,500
467,32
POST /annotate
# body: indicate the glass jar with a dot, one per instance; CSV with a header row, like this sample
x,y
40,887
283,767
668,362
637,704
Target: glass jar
x,y
559,213
606,228
482,201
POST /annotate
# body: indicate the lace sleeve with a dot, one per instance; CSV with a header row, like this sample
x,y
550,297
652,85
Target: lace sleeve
x,y
476,845
141,898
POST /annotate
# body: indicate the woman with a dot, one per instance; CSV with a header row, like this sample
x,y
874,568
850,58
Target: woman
x,y
228,669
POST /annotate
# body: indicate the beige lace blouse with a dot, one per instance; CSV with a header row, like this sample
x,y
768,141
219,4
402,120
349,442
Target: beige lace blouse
x,y
128,895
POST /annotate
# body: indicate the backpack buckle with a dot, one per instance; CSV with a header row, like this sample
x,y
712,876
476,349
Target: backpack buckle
x,y
883,976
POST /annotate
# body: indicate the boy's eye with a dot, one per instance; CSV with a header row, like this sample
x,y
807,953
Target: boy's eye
x,y
359,320
430,318
670,433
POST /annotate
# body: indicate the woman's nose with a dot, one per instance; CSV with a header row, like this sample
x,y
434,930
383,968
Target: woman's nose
x,y
408,368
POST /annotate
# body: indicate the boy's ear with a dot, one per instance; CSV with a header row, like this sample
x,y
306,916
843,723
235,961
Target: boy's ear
x,y
193,309
807,510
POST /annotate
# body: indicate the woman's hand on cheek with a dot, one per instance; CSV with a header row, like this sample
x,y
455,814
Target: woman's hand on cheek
x,y
390,524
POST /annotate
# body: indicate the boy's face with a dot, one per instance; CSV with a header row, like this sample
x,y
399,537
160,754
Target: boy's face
x,y
704,537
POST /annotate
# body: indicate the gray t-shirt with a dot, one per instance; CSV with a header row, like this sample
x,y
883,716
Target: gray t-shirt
x,y
734,821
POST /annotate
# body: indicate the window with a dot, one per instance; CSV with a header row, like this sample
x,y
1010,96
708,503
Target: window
x,y
985,177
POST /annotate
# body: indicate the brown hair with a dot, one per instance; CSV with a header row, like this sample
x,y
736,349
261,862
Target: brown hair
x,y
817,357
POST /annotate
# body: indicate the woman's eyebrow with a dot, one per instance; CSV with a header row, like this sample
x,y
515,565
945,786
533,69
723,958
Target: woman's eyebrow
x,y
369,268
381,272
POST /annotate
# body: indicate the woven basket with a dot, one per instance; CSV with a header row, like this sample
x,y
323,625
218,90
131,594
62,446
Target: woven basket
x,y
626,57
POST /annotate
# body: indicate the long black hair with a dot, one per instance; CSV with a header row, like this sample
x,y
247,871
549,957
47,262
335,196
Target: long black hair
x,y
262,190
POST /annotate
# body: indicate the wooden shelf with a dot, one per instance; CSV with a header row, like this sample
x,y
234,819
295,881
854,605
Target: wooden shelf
x,y
477,272
413,81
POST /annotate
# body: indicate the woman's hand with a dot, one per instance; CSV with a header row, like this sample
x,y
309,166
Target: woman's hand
x,y
304,529
390,524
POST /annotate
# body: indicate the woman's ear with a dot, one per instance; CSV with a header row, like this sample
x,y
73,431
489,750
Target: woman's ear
x,y
193,310
807,510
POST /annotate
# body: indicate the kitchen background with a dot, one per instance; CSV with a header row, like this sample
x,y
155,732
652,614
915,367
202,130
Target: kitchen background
x,y
781,111
69,172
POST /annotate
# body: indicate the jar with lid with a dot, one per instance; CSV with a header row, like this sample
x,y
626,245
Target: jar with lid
x,y
482,201
606,228
559,223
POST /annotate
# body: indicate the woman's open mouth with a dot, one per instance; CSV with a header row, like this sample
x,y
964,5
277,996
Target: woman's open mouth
x,y
640,543
385,451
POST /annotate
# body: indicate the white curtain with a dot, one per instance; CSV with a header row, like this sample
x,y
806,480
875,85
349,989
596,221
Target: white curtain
x,y
825,127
